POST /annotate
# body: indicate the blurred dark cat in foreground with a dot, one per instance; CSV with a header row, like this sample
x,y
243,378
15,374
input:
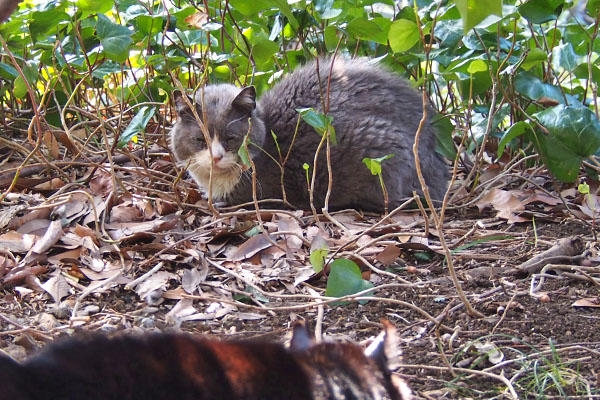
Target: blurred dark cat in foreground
x,y
178,366
375,113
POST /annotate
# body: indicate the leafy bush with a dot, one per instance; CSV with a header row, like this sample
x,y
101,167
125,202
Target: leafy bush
x,y
522,81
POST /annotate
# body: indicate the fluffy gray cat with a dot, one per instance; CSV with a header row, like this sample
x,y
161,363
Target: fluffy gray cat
x,y
375,113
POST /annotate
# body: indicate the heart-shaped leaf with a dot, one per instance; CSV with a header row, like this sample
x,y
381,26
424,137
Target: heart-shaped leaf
x,y
345,279
115,38
374,164
574,133
403,35
321,122
318,253
473,12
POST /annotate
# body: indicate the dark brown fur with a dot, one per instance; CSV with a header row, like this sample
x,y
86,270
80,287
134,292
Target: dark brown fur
x,y
178,366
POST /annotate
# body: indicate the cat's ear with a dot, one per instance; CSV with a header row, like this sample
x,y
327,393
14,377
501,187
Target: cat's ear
x,y
384,349
245,101
182,107
301,337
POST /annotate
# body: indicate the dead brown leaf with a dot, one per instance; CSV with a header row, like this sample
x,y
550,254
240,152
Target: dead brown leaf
x,y
51,144
16,242
57,287
505,202
388,255
52,235
251,247
289,224
593,302
197,20
125,212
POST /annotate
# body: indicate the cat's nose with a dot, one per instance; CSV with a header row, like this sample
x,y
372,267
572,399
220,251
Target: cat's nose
x,y
217,158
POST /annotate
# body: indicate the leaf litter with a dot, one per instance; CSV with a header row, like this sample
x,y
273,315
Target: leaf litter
x,y
150,258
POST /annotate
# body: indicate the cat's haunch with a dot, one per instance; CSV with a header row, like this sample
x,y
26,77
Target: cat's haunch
x,y
375,113
182,367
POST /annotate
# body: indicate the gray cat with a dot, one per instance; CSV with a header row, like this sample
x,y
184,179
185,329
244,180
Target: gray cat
x,y
374,112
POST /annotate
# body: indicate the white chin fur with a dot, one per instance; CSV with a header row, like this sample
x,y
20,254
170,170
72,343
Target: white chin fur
x,y
224,177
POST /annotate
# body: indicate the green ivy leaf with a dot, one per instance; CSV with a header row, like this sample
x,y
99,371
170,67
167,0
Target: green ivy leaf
x,y
564,56
95,6
477,66
345,279
449,32
443,140
318,253
253,7
43,22
363,28
252,295
562,162
322,123
374,164
582,72
574,135
8,72
403,35
593,6
20,88
535,57
136,126
540,11
30,70
330,37
577,128
286,10
473,12
243,151
149,25
115,38
583,188
250,7
331,13
517,129
263,49
531,86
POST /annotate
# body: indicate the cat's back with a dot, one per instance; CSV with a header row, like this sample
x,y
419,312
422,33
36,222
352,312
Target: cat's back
x,y
163,366
350,88
184,367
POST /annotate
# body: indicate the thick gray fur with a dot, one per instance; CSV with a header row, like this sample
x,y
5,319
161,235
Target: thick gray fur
x,y
375,113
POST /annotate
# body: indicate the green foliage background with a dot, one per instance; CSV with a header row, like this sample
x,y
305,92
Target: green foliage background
x,y
508,75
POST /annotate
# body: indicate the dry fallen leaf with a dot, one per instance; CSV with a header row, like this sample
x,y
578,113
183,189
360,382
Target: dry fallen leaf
x,y
52,235
197,20
588,302
191,279
288,224
388,255
251,247
505,202
125,212
157,281
182,309
57,287
16,242
35,227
